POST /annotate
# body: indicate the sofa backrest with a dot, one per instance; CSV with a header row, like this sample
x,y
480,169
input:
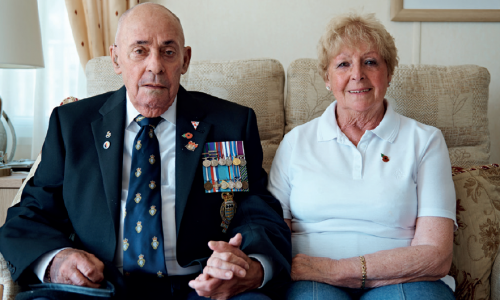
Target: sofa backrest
x,y
451,98
256,83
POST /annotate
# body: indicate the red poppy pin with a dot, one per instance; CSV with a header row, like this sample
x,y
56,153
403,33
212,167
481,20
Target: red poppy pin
x,y
187,135
385,158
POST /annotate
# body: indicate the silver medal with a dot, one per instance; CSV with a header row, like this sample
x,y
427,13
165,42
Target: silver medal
x,y
238,184
231,184
207,163
229,161
215,162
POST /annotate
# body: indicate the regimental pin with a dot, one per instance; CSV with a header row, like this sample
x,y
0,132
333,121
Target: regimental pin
x,y
155,243
227,210
138,172
160,274
137,198
108,134
195,124
187,135
385,158
138,146
106,145
152,185
141,262
152,210
138,228
152,159
125,244
191,146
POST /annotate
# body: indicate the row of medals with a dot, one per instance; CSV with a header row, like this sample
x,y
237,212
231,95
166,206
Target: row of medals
x,y
214,162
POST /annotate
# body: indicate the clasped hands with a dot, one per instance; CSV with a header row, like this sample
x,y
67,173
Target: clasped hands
x,y
229,271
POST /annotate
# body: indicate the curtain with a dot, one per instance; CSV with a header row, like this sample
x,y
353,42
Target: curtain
x,y
30,95
94,23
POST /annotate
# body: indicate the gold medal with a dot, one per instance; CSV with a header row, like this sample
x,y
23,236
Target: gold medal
x,y
236,161
224,185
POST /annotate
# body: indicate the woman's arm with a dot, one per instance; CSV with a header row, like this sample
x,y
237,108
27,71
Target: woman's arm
x,y
428,258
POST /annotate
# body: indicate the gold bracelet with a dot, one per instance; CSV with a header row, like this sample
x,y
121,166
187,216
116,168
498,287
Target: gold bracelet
x,y
363,271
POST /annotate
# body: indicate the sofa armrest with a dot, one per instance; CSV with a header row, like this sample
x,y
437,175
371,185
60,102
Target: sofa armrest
x,y
10,288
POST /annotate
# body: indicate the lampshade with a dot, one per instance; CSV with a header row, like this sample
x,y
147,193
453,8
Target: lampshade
x,y
20,38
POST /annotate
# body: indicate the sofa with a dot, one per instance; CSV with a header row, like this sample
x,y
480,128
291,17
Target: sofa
x,y
451,98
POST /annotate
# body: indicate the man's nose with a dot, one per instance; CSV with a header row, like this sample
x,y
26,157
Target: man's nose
x,y
155,63
357,72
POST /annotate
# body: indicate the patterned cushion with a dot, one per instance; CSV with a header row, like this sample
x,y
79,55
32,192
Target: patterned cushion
x,y
453,99
478,236
256,83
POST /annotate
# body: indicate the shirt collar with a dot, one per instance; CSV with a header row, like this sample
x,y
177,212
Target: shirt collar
x,y
328,129
169,115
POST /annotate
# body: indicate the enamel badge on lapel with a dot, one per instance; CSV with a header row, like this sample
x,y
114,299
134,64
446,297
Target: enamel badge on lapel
x,y
191,146
195,124
106,145
187,135
108,134
227,210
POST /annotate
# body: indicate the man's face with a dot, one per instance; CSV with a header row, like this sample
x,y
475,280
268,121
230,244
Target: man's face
x,y
151,57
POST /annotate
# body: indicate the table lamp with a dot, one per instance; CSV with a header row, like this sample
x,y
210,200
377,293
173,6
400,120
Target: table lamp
x,y
20,48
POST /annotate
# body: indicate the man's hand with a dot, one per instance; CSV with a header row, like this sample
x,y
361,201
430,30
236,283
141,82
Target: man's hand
x,y
229,271
76,267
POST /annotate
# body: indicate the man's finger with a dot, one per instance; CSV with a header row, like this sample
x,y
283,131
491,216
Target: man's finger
x,y
92,268
205,287
217,260
226,272
77,278
236,240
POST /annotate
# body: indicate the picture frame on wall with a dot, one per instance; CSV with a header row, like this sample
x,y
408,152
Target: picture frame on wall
x,y
445,11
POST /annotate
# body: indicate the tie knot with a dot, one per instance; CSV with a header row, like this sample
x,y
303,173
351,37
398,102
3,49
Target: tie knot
x,y
143,121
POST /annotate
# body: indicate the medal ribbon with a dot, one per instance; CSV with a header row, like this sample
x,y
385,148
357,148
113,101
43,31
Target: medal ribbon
x,y
243,170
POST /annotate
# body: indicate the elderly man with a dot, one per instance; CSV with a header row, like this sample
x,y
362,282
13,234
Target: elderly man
x,y
125,166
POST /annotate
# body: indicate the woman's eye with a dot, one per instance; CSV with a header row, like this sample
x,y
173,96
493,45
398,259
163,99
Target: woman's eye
x,y
371,62
342,64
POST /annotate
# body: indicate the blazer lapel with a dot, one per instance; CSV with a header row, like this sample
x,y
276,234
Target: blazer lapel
x,y
111,155
186,161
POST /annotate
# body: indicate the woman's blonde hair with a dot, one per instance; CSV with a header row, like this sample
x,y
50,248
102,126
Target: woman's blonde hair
x,y
353,30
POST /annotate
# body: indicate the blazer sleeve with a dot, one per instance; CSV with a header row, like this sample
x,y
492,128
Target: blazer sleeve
x,y
259,217
39,223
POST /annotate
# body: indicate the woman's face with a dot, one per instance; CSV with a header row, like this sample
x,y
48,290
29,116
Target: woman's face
x,y
358,78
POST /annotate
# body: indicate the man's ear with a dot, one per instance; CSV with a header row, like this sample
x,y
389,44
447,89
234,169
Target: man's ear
x,y
113,53
187,59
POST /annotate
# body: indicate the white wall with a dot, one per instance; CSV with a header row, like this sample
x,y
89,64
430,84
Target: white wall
x,y
290,29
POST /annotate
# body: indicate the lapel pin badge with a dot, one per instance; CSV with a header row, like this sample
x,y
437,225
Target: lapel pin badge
x,y
385,158
187,135
191,146
108,134
195,124
106,145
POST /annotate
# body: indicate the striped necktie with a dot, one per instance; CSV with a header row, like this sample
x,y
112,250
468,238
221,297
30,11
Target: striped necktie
x,y
142,231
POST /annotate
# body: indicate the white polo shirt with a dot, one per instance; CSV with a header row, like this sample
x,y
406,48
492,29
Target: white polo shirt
x,y
345,201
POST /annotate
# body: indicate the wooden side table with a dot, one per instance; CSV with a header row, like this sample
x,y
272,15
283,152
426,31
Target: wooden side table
x,y
9,185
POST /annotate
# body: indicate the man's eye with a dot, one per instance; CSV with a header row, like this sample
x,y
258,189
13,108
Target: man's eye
x,y
138,51
169,52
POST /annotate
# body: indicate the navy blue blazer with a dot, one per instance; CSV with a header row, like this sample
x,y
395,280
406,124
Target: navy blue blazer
x,y
74,198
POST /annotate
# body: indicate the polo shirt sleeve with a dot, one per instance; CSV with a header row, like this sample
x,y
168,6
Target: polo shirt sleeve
x,y
435,189
279,177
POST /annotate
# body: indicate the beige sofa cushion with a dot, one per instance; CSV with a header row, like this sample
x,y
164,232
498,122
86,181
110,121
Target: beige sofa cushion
x,y
477,238
256,83
453,99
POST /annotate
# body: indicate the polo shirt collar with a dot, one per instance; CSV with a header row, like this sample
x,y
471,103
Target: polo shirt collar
x,y
328,129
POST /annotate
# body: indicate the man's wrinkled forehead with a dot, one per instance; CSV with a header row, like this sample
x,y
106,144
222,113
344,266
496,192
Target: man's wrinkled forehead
x,y
139,22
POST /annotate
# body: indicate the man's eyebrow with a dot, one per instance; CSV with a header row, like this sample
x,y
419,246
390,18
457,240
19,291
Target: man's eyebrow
x,y
165,43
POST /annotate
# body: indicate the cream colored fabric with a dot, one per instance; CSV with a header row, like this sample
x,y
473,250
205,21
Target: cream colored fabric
x,y
94,24
453,99
256,83
477,239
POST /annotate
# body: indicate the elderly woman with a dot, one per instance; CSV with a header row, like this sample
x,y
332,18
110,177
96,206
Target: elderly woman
x,y
366,192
